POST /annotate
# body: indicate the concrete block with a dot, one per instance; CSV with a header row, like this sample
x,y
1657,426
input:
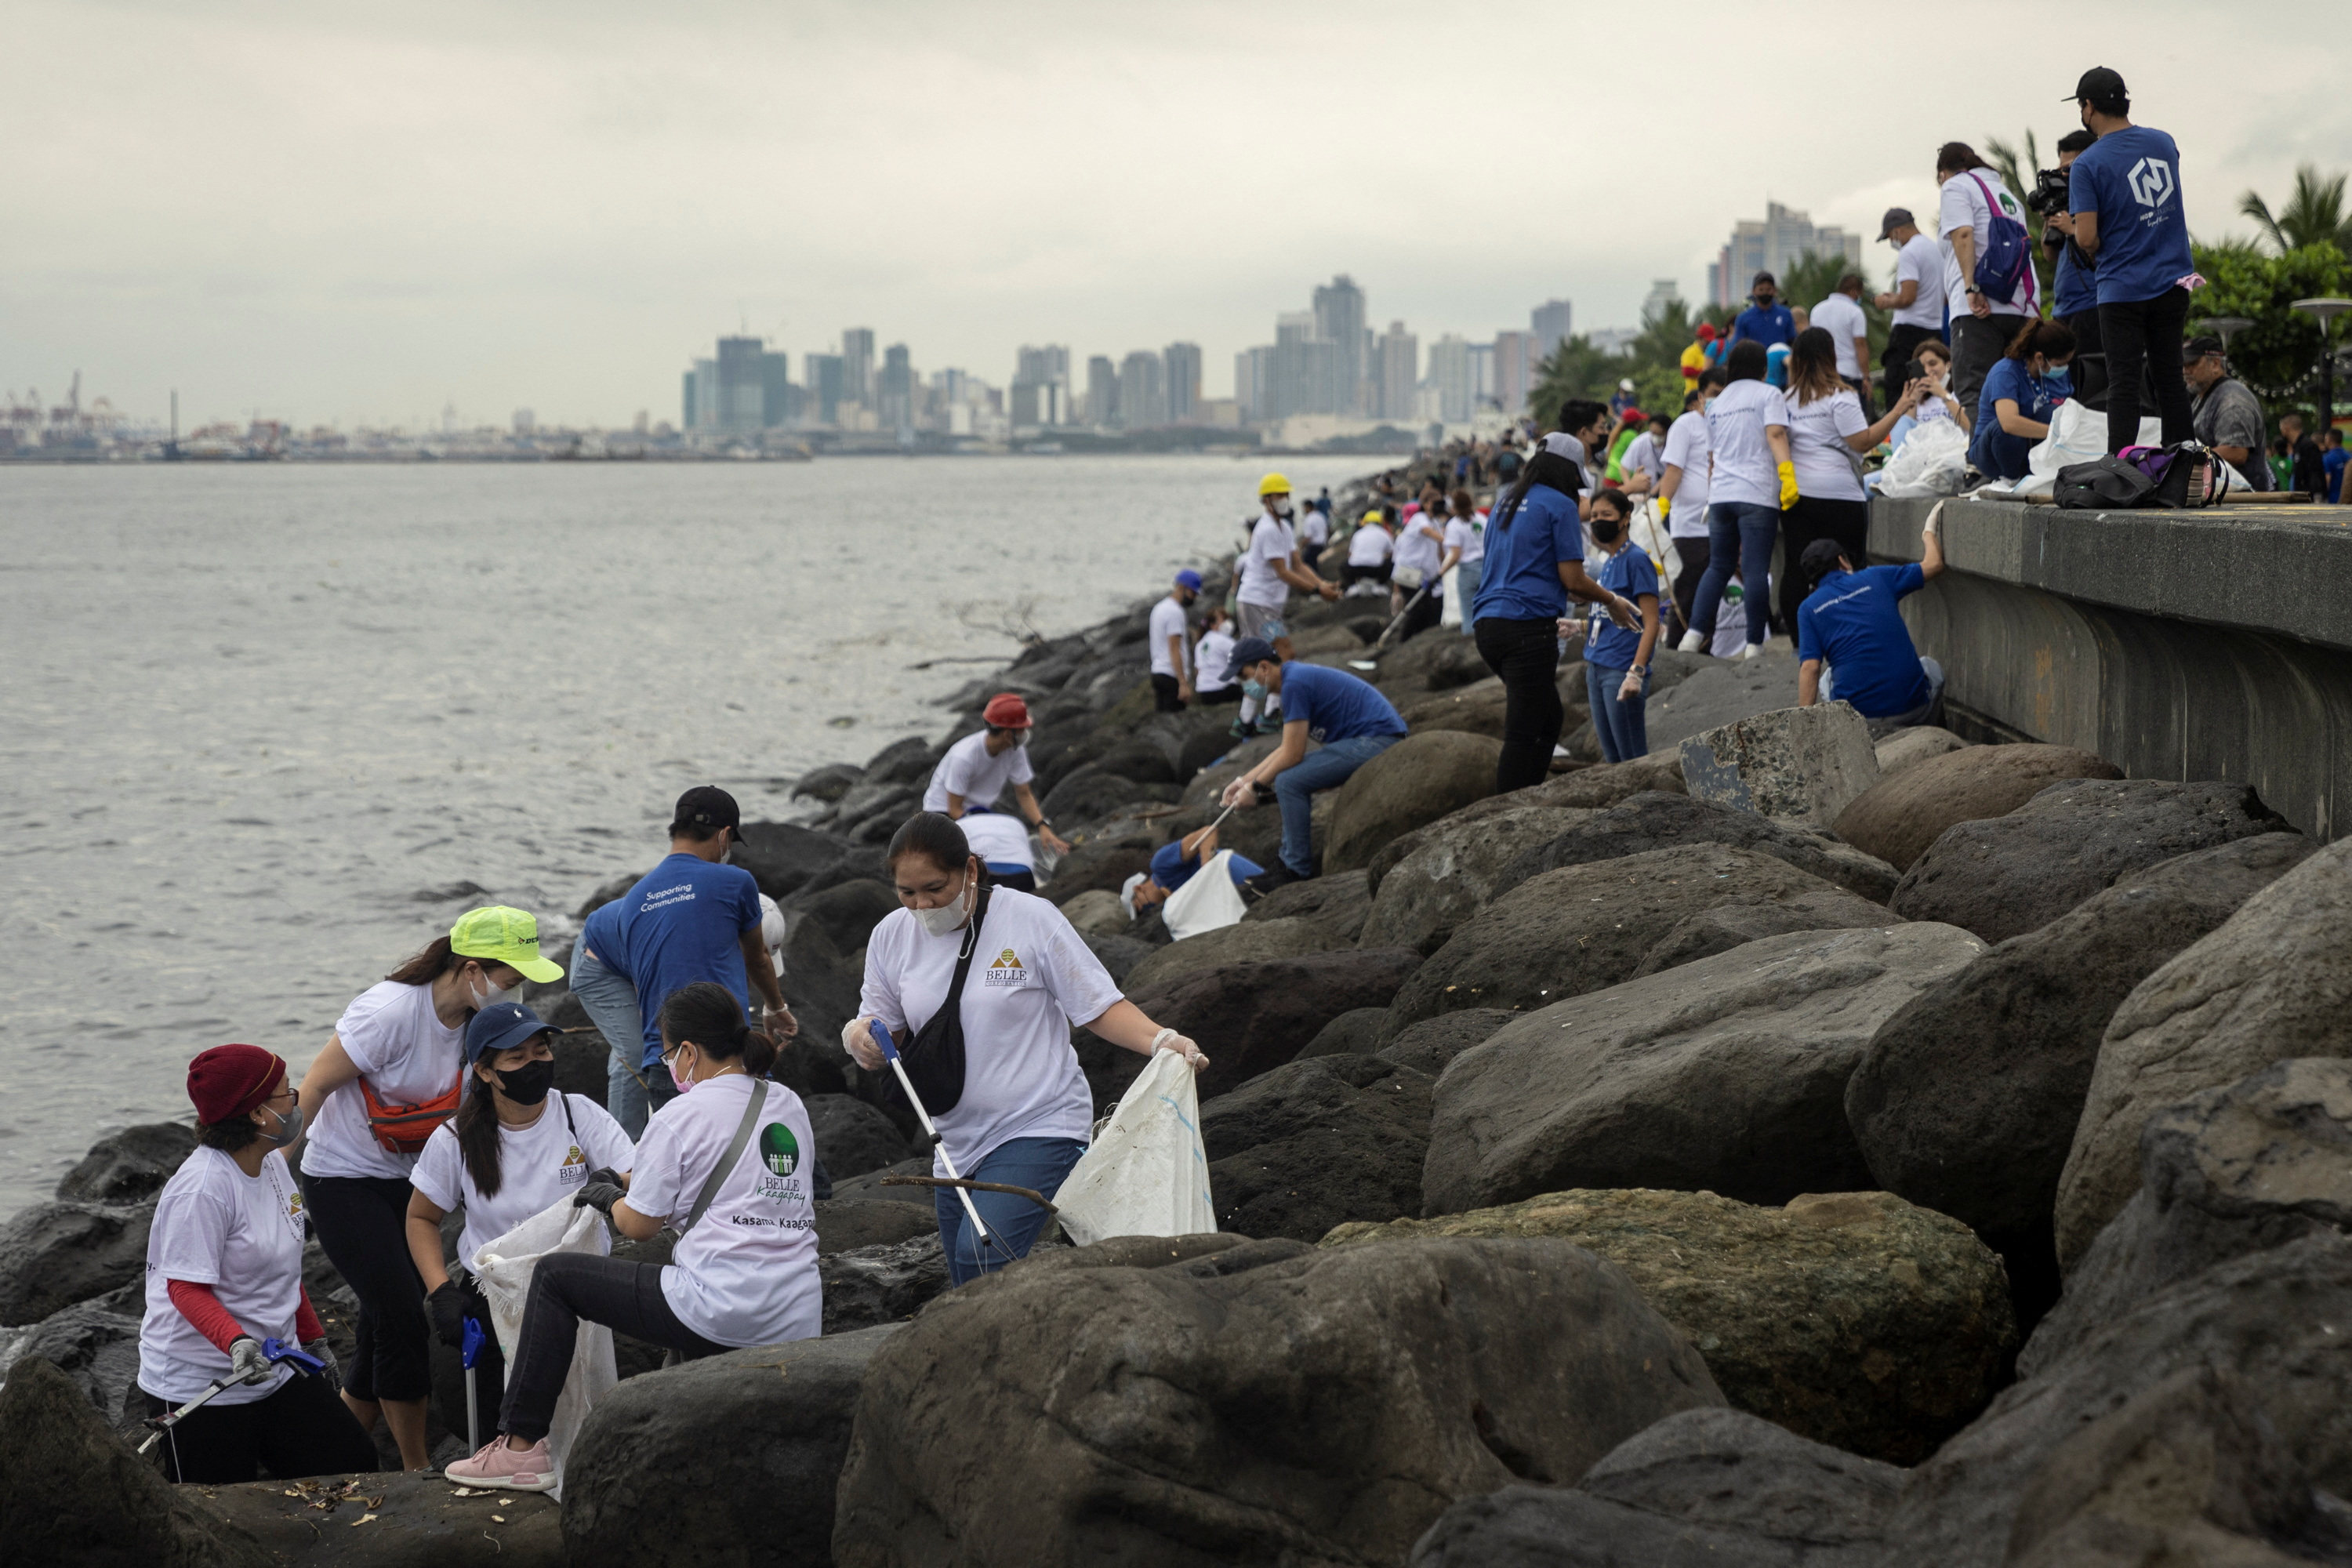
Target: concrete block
x,y
1794,764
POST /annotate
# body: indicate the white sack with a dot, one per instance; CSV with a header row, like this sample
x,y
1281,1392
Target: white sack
x,y
1209,901
503,1265
1930,461
2077,435
1146,1174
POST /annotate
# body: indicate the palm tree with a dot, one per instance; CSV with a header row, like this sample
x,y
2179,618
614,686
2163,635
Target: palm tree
x,y
2016,173
2314,216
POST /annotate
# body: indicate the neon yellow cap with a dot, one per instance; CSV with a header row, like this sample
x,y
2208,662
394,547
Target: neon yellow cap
x,y
502,935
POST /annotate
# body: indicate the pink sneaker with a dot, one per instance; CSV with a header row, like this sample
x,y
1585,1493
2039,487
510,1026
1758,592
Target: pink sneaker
x,y
531,1469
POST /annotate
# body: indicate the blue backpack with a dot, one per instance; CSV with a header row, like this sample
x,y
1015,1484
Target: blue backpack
x,y
2004,254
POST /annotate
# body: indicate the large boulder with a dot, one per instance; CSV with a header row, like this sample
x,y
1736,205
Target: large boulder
x,y
1967,1100
1907,748
1796,765
1317,1143
96,1343
1656,819
1583,928
783,858
1245,942
1715,1487
2269,984
1853,1319
1727,926
1896,818
1595,788
763,1431
1254,1016
1098,912
1339,902
1724,693
852,1137
1094,792
54,1255
869,1286
1476,709
1267,1404
126,1166
1431,1044
2008,875
1420,779
1727,1075
1355,1032
1102,864
1457,864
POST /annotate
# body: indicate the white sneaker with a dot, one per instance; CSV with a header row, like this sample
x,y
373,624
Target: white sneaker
x,y
1753,650
1693,640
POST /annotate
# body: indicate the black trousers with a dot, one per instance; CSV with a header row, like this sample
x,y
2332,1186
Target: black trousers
x,y
303,1429
1422,611
566,1289
1902,341
2146,332
1222,694
362,1222
1846,521
1692,553
1163,694
2090,377
1526,654
1379,573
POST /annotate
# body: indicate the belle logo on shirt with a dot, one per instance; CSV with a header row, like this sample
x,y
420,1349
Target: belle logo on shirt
x,y
779,1150
2150,181
1008,969
575,1167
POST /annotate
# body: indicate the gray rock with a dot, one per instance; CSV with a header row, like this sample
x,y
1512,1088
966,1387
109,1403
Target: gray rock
x,y
1431,1044
95,1343
1252,1018
1353,1033
1597,787
852,1137
1476,709
2005,876
54,1255
1413,783
827,783
1657,820
1338,903
867,1286
123,1167
1727,926
1898,821
1457,865
1266,1404
1097,912
785,859
2269,984
1317,1143
1724,693
869,1188
1245,941
1727,1075
1796,765
1102,864
873,1215
1093,792
1120,954
1907,749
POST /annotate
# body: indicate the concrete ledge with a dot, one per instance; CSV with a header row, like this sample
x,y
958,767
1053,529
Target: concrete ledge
x,y
2208,645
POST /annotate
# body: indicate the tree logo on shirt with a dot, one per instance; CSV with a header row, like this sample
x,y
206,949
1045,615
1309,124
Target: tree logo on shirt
x,y
779,1150
2150,182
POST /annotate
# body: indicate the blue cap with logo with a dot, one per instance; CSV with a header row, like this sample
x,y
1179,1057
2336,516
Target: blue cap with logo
x,y
1247,652
502,1026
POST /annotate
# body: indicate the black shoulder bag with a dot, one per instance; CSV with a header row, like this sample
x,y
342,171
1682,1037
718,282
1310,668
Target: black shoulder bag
x,y
934,1057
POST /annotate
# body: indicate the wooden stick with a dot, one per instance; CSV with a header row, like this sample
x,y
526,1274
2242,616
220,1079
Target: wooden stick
x,y
1030,1193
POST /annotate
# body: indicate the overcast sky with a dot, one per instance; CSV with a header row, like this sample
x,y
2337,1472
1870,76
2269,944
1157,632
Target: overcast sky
x,y
357,215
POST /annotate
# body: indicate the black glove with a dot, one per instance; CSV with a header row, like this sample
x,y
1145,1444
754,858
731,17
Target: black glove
x,y
606,1175
600,1197
448,1309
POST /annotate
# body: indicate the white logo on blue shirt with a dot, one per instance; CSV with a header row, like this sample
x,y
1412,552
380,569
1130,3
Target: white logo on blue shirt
x,y
2150,182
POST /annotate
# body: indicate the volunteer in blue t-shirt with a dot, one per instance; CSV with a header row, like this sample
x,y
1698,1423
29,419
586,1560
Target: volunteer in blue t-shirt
x,y
1175,863
2128,217
1850,623
2021,396
1354,723
2074,289
1617,661
1535,563
1766,321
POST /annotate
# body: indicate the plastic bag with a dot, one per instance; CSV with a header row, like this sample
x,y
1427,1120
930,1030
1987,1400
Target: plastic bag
x,y
1147,1173
2077,435
1209,901
503,1265
1929,462
1656,542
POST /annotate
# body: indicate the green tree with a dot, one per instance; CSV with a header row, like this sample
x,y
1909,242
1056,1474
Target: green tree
x,y
2314,214
2276,355
2017,175
1812,279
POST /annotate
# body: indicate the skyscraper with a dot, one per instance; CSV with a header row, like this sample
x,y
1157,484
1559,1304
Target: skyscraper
x,y
1339,322
1663,295
1041,384
780,403
1183,381
1553,322
823,375
1449,373
1142,391
1307,368
857,365
1037,366
1399,372
1784,236
1515,370
1102,391
702,395
895,393
1253,383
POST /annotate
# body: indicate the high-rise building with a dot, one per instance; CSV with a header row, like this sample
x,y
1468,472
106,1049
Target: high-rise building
x,y
1102,391
1554,324
857,365
781,402
525,422
1041,384
1253,383
824,377
686,400
1770,246
1307,368
1449,373
1039,365
1515,370
1339,322
1482,375
1664,295
702,395
1183,363
1142,391
1397,360
741,391
894,390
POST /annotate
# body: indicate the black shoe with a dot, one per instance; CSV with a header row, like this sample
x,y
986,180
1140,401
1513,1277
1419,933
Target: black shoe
x,y
1275,875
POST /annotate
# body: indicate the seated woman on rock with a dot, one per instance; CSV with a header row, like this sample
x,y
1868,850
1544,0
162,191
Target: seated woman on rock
x,y
1173,865
224,1273
723,1162
1020,1112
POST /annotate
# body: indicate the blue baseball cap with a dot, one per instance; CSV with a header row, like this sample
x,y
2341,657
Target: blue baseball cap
x,y
1188,578
1247,652
502,1026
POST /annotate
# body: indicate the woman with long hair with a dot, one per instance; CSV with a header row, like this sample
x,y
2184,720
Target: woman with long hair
x,y
2021,396
1754,479
1828,433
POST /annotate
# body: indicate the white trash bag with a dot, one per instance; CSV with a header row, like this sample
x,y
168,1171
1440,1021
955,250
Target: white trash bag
x,y
1930,461
504,1266
1147,1173
1209,901
2077,435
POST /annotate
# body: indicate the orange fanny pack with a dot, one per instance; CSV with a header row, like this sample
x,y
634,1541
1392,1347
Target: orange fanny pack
x,y
404,1129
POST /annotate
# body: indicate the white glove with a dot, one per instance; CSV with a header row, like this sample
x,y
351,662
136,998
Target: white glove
x,y
246,1362
1241,793
1169,1040
326,1352
858,1041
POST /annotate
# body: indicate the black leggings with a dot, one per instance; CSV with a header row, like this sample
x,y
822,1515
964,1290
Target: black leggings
x,y
1220,695
1845,522
301,1429
1526,654
2146,333
565,1289
1422,611
1692,553
362,1222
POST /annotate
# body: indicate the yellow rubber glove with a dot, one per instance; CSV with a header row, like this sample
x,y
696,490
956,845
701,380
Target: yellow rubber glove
x,y
1665,504
1788,486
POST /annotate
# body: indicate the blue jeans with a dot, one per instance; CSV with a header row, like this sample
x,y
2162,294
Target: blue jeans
x,y
1040,1164
1739,534
1622,726
1295,787
612,1004
1926,713
1472,574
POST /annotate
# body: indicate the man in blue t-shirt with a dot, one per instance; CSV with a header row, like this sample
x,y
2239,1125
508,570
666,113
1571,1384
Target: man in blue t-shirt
x,y
2124,193
1766,321
1850,623
1354,723
2074,289
1177,862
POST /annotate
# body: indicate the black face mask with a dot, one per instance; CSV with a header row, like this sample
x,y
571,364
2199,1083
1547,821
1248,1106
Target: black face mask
x,y
528,1084
1606,530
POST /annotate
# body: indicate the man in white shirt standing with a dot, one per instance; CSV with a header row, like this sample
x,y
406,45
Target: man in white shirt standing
x,y
1269,570
1841,316
1981,327
1172,650
1917,299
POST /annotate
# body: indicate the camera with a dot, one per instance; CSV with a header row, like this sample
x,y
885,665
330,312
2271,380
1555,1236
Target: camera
x,y
2050,193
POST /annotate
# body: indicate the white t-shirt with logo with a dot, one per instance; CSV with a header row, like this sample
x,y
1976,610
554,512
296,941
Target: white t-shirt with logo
x,y
1031,979
1921,260
401,1047
1842,319
1467,534
240,1234
1168,621
746,1273
998,839
1817,448
1270,540
969,771
540,1165
1963,206
1745,468
1369,546
1217,646
1415,550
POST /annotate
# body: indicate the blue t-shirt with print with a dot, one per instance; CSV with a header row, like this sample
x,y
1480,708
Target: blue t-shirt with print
x,y
2131,179
1335,705
1521,573
682,922
1765,324
1850,624
1631,573
1171,869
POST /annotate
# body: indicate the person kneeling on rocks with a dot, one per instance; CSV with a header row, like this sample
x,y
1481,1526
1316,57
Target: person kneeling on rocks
x,y
224,1273
727,1163
1354,723
1022,1112
1173,865
1849,622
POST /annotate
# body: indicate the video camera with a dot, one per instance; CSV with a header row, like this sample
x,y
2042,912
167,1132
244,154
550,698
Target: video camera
x,y
2051,190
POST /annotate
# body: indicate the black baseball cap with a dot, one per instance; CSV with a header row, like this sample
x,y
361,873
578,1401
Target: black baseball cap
x,y
2201,345
707,805
1763,278
2098,82
1896,218
1247,652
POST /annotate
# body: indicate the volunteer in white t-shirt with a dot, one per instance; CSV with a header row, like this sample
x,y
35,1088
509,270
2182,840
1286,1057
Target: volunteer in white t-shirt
x,y
1271,567
1420,545
391,1074
224,1273
744,1269
1025,1113
517,1147
1466,551
1315,530
1916,301
1172,649
1209,656
1842,317
1682,491
978,768
1828,433
1981,326
1371,550
1753,479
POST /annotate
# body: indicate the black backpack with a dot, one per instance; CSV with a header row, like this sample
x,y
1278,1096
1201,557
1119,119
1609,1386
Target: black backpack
x,y
2104,484
934,1058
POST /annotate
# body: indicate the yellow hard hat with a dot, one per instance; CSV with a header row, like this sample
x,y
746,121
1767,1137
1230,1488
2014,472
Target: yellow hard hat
x,y
1273,485
1375,515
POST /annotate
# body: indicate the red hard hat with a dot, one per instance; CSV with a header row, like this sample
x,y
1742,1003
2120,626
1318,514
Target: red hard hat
x,y
1006,712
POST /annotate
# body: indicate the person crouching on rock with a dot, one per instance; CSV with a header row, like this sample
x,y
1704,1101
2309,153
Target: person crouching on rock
x,y
507,1154
1020,1112
224,1273
1354,723
744,1269
1173,865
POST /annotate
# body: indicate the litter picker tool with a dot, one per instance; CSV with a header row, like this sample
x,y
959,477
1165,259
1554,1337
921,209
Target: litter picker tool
x,y
473,1354
881,1033
272,1351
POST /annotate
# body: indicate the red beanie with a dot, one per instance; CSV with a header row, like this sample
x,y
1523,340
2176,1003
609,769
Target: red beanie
x,y
1006,712
227,1081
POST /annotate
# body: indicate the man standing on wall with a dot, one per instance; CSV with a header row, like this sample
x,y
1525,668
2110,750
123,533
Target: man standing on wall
x,y
1917,299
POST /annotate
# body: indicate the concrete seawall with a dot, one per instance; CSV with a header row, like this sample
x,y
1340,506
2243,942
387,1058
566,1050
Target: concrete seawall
x,y
2204,644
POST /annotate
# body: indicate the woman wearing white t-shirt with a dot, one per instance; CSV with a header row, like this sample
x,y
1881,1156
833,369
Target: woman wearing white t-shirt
x,y
1025,1113
744,1269
518,1146
1828,432
391,1074
1209,656
1753,480
1466,551
1682,491
223,1274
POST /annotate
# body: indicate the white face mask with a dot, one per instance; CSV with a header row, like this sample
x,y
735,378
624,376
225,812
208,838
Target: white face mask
x,y
949,918
484,996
